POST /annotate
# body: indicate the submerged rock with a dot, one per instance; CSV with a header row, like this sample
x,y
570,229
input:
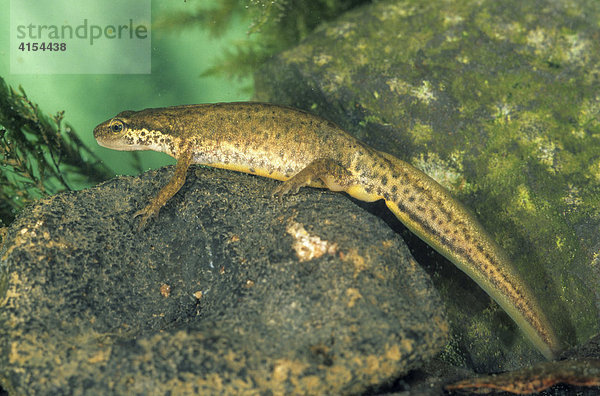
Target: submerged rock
x,y
576,373
228,291
499,102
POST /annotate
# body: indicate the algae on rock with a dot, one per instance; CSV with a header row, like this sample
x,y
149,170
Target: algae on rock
x,y
497,101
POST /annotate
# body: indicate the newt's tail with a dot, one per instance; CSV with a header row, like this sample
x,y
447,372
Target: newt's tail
x,y
429,211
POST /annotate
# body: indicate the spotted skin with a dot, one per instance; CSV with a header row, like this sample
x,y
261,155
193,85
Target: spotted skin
x,y
301,149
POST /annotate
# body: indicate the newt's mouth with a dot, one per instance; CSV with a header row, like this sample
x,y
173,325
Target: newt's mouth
x,y
106,138
100,133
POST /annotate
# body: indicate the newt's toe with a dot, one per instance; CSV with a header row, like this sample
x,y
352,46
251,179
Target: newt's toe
x,y
145,214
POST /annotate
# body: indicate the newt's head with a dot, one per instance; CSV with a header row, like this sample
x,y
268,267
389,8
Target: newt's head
x,y
137,130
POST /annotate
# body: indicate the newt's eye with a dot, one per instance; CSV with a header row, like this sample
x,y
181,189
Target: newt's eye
x,y
117,126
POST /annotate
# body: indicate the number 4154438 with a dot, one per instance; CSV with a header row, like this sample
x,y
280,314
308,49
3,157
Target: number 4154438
x,y
32,47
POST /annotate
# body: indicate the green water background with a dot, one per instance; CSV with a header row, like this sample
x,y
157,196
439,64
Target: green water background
x,y
178,59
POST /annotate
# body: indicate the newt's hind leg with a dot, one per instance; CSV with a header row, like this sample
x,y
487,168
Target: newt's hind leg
x,y
322,172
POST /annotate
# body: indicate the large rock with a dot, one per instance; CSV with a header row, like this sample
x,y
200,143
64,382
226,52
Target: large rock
x,y
499,102
228,291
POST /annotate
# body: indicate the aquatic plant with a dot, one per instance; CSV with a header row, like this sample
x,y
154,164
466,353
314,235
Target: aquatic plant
x,y
40,155
274,25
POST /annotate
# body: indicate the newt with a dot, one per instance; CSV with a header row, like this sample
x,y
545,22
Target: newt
x,y
302,149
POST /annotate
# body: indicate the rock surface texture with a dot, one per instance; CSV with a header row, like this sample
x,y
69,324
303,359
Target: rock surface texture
x,y
499,102
228,291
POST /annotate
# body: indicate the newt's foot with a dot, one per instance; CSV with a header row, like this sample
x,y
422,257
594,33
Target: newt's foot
x,y
145,214
290,186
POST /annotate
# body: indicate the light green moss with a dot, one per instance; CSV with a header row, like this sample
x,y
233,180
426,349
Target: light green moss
x,y
421,133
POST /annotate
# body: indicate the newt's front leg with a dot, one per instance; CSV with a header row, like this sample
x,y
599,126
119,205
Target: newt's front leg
x,y
177,180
